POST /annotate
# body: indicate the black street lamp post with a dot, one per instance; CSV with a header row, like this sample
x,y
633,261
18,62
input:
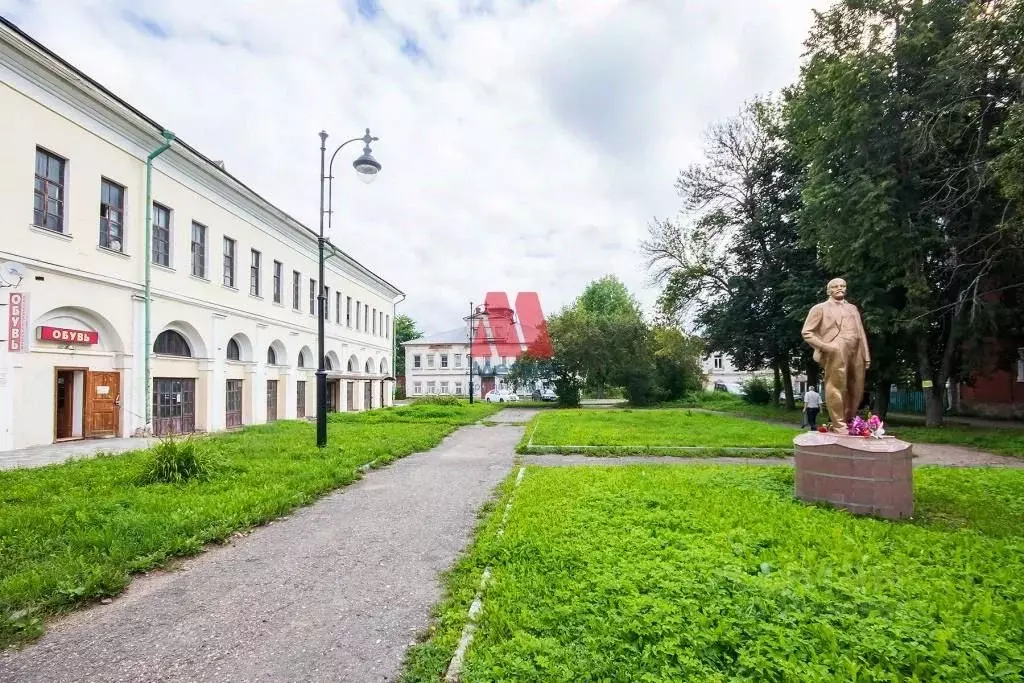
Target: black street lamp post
x,y
367,167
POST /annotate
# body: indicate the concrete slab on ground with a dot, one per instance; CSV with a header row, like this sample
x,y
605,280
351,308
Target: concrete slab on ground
x,y
53,453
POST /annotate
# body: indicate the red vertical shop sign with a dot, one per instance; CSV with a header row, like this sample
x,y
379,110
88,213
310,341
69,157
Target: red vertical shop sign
x,y
17,311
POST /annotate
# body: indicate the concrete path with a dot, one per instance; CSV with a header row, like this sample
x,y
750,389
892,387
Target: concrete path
x,y
53,453
335,592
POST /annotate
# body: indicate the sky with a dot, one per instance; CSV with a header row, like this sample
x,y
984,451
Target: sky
x,y
526,145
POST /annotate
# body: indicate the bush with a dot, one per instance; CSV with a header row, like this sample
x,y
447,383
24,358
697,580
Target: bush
x,y
642,389
757,390
439,401
175,461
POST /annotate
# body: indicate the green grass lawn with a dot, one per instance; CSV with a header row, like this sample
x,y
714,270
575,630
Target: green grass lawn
x,y
1000,440
611,431
75,532
716,573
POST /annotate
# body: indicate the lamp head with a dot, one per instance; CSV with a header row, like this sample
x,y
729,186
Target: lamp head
x,y
366,166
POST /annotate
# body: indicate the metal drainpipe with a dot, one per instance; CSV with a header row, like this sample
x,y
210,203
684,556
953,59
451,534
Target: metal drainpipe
x,y
394,345
168,139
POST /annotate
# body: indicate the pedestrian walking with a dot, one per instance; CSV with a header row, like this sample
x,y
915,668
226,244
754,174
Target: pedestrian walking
x,y
812,406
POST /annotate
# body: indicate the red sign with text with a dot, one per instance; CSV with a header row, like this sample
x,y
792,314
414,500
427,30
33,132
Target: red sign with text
x,y
67,336
16,321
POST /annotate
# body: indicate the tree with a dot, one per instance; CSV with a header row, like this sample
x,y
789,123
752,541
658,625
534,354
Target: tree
x,y
610,311
735,261
677,362
405,330
900,115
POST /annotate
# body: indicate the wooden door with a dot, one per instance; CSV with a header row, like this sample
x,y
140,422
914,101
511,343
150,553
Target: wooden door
x,y
300,399
233,403
271,400
486,386
174,406
64,404
368,395
350,395
102,404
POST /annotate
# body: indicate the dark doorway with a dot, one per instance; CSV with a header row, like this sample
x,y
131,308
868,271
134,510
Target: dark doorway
x,y
368,395
350,395
65,405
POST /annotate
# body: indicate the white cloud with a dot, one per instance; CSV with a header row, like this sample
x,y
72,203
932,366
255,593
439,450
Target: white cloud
x,y
525,145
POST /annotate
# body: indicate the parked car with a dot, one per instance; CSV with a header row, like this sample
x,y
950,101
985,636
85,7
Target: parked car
x,y
500,396
547,394
729,388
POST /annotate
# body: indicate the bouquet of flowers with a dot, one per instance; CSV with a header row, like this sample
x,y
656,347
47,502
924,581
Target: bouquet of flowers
x,y
873,426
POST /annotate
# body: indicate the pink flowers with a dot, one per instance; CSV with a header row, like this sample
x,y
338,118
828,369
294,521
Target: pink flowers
x,y
873,426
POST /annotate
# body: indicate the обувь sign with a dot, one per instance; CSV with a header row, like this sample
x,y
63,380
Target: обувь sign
x,y
67,336
16,315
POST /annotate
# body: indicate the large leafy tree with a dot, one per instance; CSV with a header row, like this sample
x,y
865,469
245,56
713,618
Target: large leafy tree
x,y
405,330
733,261
900,115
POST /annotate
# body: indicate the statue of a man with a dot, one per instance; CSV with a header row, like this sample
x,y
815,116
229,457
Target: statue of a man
x,y
834,329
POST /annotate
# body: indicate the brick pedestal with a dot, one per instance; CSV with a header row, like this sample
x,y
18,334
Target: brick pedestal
x,y
863,475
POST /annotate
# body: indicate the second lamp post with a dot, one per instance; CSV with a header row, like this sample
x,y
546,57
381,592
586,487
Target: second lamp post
x,y
367,169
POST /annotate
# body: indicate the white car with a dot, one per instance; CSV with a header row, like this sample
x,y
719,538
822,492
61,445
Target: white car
x,y
500,396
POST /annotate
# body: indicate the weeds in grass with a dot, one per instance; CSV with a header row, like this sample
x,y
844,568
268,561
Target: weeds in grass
x,y
177,461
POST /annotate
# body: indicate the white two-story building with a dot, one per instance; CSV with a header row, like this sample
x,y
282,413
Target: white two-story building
x,y
229,331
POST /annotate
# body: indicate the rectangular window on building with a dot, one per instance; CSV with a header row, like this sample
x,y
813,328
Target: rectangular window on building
x,y
327,303
366,318
417,361
278,274
444,360
198,250
458,388
430,360
348,311
387,326
417,388
374,317
111,215
296,288
718,362
359,316
444,387
431,387
337,307
49,191
458,360
254,272
229,262
312,296
161,235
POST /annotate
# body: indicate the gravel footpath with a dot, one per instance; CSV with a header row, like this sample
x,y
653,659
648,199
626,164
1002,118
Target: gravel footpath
x,y
335,592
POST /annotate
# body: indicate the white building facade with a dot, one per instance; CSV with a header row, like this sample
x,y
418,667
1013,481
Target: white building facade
x,y
720,372
232,311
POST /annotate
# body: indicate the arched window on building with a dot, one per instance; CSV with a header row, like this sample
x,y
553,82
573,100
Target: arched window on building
x,y
234,353
327,363
271,356
171,343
